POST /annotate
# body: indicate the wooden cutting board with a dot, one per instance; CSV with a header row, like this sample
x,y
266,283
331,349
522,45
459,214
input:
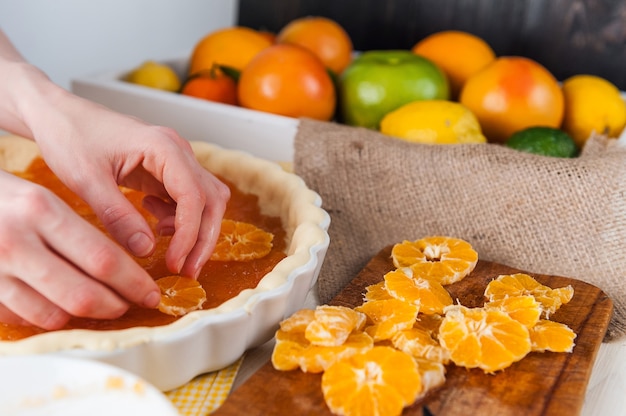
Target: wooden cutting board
x,y
540,384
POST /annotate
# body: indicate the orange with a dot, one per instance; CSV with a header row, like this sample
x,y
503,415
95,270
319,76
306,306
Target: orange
x,y
326,38
552,336
233,47
379,381
293,350
419,343
511,94
429,295
241,241
524,309
298,321
211,85
432,373
180,295
459,54
376,292
521,284
483,338
290,81
333,324
386,317
445,259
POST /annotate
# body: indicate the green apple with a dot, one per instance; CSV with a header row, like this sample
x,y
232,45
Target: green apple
x,y
377,82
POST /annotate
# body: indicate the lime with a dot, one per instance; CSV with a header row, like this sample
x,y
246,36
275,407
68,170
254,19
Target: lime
x,y
546,141
155,75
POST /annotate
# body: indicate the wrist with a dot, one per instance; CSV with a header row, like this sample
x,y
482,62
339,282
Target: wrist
x,y
26,96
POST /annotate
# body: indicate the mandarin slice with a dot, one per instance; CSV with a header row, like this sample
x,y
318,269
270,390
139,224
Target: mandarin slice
x,y
524,309
445,259
432,373
379,381
292,350
376,292
429,295
483,338
552,336
298,321
180,295
241,241
333,324
388,316
521,284
420,344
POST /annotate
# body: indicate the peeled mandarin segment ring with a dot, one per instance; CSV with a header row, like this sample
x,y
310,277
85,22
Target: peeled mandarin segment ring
x,y
444,259
240,241
180,295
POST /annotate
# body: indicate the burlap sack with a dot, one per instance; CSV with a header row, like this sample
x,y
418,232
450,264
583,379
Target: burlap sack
x,y
545,215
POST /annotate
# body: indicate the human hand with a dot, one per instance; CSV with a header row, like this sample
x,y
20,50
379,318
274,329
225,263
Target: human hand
x,y
93,150
53,264
94,153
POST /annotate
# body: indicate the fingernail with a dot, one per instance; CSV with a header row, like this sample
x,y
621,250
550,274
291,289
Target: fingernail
x,y
140,244
152,299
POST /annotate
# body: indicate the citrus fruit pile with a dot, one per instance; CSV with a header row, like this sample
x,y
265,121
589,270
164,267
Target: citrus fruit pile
x,y
466,92
388,352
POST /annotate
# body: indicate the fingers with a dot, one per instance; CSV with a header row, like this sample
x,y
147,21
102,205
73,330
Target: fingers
x,y
197,223
120,217
22,305
54,264
112,271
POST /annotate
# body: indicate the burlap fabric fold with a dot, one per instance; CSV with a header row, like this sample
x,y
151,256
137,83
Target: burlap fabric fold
x,y
545,215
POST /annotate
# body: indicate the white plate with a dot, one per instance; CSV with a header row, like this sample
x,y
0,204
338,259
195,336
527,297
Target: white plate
x,y
51,385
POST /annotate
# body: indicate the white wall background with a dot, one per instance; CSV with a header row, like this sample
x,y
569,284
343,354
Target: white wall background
x,y
70,38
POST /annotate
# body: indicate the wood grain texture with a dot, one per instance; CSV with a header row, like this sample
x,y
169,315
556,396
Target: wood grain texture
x,y
541,384
567,36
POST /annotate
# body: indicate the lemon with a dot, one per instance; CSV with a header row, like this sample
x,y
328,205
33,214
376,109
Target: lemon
x,y
433,122
155,75
592,104
545,141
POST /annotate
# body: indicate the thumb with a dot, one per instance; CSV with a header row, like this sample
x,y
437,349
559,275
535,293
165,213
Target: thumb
x,y
121,219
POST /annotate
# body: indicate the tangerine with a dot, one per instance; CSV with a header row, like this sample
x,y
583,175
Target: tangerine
x,y
552,336
419,343
293,350
378,381
232,46
445,259
524,308
521,284
511,94
211,85
388,316
326,38
459,54
180,295
288,80
332,325
483,338
429,295
241,241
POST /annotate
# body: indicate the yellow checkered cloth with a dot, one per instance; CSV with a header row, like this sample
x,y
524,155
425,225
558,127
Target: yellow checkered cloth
x,y
205,393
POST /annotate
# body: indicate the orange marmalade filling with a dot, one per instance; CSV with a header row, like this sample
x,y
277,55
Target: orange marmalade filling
x,y
222,280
